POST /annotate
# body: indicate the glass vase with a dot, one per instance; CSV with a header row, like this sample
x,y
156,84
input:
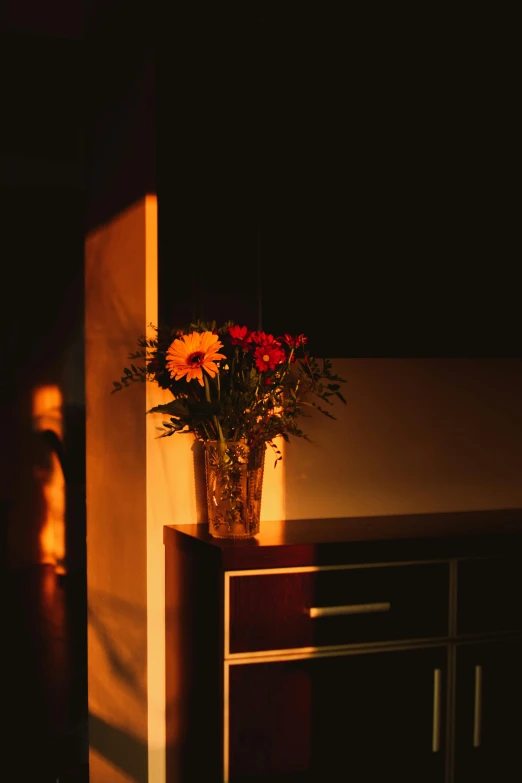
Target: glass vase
x,y
234,485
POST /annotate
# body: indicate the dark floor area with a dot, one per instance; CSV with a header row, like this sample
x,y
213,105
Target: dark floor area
x,y
44,690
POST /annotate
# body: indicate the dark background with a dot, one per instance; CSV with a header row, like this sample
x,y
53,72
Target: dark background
x,y
348,177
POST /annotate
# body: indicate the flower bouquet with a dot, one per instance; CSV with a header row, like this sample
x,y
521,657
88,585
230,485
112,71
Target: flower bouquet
x,y
237,390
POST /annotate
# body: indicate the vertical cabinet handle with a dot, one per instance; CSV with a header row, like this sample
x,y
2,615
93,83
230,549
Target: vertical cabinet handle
x,y
437,686
477,711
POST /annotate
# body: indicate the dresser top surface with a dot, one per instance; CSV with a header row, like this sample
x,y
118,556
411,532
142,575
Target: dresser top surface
x,y
437,534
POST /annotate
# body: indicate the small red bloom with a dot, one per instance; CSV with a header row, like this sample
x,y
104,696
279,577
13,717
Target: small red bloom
x,y
295,342
240,335
261,338
267,357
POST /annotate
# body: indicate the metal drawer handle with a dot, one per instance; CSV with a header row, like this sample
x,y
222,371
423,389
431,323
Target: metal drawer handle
x,y
333,611
437,684
477,713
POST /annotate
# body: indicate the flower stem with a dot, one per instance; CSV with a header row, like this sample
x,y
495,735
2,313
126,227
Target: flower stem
x,y
217,425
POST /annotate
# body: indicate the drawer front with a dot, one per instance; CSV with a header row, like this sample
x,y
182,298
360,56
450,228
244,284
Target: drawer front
x,y
285,609
489,594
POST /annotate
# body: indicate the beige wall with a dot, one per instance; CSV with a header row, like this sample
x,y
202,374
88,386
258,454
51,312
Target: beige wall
x,y
125,494
416,435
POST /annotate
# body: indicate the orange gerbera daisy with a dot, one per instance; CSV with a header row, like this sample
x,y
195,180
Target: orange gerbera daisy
x,y
191,354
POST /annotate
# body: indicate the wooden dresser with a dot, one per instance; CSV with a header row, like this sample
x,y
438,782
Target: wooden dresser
x,y
365,650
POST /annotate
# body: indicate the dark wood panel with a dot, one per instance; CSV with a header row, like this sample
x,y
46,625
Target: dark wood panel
x,y
361,717
489,594
270,612
270,720
193,667
497,754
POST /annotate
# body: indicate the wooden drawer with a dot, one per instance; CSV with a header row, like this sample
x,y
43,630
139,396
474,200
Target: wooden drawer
x,y
489,594
283,609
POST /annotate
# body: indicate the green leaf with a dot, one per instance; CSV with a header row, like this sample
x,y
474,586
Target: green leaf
x,y
173,408
203,409
322,410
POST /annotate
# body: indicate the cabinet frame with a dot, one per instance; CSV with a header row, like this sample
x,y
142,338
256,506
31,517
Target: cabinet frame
x,y
341,650
211,565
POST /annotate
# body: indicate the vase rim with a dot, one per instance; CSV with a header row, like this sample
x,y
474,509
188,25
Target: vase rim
x,y
211,443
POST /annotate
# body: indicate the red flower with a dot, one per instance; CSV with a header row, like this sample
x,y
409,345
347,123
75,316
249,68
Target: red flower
x,y
240,336
295,342
261,338
267,357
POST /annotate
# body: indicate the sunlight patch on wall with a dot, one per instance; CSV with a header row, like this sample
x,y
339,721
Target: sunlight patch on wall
x,y
273,506
47,418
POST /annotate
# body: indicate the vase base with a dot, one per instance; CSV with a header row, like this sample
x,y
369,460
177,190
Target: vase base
x,y
236,531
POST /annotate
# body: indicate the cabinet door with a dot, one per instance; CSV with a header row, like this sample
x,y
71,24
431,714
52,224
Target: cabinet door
x,y
365,717
489,712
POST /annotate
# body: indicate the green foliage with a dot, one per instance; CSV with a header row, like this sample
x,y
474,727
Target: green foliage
x,y
249,399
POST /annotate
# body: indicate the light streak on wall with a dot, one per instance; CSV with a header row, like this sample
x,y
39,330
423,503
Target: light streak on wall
x,y
47,418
